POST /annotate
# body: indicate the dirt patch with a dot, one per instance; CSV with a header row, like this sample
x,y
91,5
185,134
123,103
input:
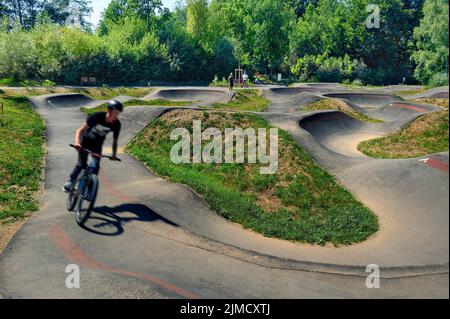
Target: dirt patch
x,y
333,104
336,104
268,201
433,101
426,135
7,231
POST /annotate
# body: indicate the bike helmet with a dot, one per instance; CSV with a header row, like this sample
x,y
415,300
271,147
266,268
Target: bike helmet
x,y
115,105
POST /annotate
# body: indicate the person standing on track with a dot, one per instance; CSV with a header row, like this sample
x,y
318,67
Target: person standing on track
x,y
244,80
91,136
231,82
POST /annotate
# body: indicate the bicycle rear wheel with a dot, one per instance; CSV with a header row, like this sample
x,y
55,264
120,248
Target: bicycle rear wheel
x,y
87,196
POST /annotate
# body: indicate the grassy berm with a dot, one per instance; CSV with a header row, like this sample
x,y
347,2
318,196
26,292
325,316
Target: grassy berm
x,y
426,135
301,202
21,157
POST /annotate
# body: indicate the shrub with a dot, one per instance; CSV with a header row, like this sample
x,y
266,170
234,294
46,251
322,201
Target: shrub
x,y
439,79
357,82
306,67
8,82
17,55
48,83
217,82
329,69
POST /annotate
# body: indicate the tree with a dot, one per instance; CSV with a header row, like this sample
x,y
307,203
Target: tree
x,y
23,11
259,28
17,54
197,18
60,10
300,6
336,28
432,41
268,49
26,12
321,30
118,10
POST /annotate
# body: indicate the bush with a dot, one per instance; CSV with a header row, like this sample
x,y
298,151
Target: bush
x,y
329,69
439,79
17,55
306,67
48,83
217,82
357,82
8,82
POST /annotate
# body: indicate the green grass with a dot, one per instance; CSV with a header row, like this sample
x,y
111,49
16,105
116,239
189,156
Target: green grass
x,y
106,93
21,154
34,91
335,104
156,102
245,100
301,202
426,135
439,102
25,83
362,86
410,92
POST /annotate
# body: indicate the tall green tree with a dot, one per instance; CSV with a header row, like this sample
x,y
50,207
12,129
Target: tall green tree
x,y
197,18
300,6
59,11
432,41
259,29
26,12
270,28
337,28
118,10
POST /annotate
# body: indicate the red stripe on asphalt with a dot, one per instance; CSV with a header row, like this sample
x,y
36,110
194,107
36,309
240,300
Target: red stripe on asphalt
x,y
72,252
437,164
410,107
110,186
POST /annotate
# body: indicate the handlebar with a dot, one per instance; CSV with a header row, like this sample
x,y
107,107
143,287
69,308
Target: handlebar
x,y
92,153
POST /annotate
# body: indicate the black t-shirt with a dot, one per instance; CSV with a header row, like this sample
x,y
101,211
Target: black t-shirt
x,y
98,129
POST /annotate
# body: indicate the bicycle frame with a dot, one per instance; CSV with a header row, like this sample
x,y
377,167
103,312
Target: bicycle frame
x,y
86,191
87,173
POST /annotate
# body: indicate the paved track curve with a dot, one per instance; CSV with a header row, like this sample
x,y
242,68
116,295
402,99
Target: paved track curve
x,y
150,238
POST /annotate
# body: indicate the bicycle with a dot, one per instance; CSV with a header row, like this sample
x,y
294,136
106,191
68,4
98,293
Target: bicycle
x,y
85,189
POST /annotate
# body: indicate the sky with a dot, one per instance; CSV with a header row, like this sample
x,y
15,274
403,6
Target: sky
x,y
100,5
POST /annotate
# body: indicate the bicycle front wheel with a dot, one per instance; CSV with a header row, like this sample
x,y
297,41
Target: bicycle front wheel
x,y
87,196
72,199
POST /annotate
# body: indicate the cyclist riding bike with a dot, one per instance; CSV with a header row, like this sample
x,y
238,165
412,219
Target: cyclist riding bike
x,y
91,136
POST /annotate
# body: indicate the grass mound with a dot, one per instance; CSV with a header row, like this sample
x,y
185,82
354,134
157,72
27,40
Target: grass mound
x,y
245,100
426,135
443,103
335,104
106,93
156,102
301,202
21,154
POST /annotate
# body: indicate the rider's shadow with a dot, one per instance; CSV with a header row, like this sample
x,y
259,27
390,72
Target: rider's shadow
x,y
108,221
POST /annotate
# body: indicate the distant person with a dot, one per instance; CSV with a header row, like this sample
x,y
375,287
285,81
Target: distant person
x,y
244,80
231,82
